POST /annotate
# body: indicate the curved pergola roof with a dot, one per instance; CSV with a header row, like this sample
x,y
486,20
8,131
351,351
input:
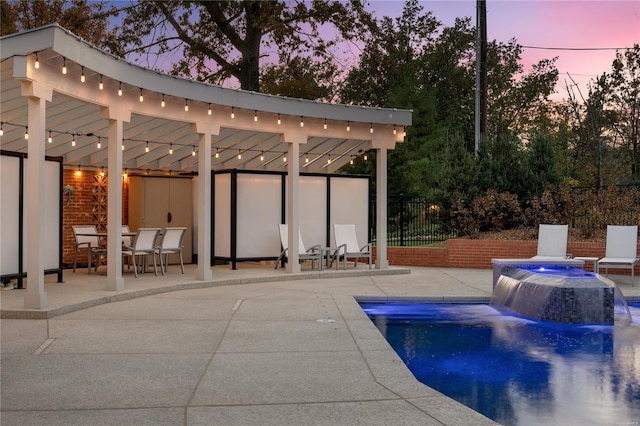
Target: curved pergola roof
x,y
251,129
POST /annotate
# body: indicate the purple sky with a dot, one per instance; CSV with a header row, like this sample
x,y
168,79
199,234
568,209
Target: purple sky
x,y
553,23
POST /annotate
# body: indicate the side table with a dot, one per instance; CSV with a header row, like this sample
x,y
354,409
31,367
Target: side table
x,y
594,260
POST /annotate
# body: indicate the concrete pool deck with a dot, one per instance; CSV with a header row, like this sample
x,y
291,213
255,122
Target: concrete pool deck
x,y
255,346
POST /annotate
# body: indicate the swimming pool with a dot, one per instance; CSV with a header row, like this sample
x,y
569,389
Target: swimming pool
x,y
514,370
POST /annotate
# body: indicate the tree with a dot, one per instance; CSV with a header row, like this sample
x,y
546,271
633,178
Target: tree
x,y
300,77
216,40
416,63
86,19
623,86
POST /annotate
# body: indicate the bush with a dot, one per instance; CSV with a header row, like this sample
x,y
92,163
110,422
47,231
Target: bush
x,y
587,211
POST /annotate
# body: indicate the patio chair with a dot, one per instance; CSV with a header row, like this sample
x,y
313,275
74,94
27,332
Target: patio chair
x,y
552,242
621,249
143,245
313,253
90,243
347,244
171,244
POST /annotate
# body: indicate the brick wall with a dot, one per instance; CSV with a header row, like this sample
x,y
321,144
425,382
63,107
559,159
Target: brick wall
x,y
88,206
467,253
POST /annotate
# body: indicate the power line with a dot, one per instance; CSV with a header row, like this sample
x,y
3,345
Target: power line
x,y
577,48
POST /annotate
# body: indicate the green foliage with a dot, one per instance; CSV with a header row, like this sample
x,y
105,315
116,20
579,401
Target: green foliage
x,y
218,40
587,211
84,18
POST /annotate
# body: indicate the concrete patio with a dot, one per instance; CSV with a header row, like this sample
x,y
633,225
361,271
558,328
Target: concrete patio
x,y
253,346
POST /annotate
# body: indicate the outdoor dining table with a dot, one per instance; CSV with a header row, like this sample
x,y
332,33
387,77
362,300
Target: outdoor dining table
x,y
102,235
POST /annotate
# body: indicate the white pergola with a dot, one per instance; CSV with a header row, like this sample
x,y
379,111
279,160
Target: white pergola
x,y
56,85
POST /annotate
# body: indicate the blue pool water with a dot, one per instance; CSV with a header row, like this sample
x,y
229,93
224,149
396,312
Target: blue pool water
x,y
514,370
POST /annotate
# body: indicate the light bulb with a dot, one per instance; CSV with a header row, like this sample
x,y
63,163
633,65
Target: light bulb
x,y
146,147
141,97
100,85
233,114
99,144
325,124
255,116
82,79
279,121
50,138
120,89
170,149
37,64
209,110
301,121
186,105
64,65
193,151
162,104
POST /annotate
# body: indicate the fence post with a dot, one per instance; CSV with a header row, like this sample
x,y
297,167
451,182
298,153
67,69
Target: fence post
x,y
402,204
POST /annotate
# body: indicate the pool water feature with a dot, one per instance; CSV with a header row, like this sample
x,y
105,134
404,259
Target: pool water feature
x,y
558,293
514,370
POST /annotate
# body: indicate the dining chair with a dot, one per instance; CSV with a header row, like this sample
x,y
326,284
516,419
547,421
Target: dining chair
x,y
90,243
143,245
171,244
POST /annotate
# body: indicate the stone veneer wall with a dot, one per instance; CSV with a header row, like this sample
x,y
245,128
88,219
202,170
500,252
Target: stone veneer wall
x,y
469,253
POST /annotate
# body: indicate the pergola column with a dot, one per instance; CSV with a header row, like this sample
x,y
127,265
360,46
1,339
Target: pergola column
x,y
35,296
293,208
116,118
203,200
381,209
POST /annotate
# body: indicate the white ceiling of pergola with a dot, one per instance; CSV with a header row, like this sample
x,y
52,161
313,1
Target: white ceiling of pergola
x,y
75,113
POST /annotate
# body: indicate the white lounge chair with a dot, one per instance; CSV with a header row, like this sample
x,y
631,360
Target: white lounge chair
x,y
313,253
621,249
347,244
552,242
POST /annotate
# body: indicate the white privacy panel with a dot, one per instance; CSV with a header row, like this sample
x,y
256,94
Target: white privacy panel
x,y
350,204
9,214
259,209
222,215
52,190
313,210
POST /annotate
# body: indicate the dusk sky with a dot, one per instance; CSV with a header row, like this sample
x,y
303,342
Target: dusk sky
x,y
553,23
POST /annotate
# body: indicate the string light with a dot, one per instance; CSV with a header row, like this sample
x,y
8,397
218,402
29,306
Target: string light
x,y
100,85
351,161
26,132
301,121
82,78
217,153
348,126
50,138
365,157
284,158
141,97
306,158
162,103
170,149
394,130
209,110
233,114
146,147
239,155
371,128
64,65
79,171
255,116
329,159
120,88
1,130
125,174
99,142
262,156
122,146
73,139
102,171
186,105
279,121
37,64
325,124
193,151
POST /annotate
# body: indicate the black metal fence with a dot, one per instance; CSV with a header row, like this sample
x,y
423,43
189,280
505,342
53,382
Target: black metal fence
x,y
412,221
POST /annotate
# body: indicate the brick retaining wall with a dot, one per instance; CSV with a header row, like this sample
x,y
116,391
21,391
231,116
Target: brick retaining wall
x,y
468,253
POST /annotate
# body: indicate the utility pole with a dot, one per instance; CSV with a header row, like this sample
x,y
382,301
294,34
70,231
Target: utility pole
x,y
481,72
